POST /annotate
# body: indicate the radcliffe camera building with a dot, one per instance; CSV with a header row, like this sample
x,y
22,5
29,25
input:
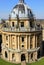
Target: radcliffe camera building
x,y
20,36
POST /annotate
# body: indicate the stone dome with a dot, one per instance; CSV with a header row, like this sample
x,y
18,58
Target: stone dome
x,y
22,10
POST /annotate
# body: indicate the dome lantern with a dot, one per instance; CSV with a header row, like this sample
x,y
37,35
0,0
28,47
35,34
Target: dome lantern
x,y
21,1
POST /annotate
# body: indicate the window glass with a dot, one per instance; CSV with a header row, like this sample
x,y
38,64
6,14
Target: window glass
x,y
6,54
22,24
13,24
22,39
12,56
31,55
22,45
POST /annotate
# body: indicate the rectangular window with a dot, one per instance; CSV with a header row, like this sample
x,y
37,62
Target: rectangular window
x,y
22,24
13,24
22,39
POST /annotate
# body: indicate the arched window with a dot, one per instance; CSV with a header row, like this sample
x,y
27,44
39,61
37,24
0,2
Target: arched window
x,y
31,55
12,55
23,57
6,55
22,39
12,24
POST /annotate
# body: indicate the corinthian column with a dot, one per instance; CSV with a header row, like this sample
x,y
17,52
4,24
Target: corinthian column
x,y
18,43
33,41
36,42
29,42
10,40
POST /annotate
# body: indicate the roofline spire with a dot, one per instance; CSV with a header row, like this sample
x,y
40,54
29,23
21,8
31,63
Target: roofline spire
x,y
21,1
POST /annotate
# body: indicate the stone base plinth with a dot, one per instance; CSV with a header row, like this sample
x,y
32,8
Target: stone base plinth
x,y
23,63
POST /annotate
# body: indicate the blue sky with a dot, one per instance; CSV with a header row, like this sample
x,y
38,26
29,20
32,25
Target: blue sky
x,y
37,7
